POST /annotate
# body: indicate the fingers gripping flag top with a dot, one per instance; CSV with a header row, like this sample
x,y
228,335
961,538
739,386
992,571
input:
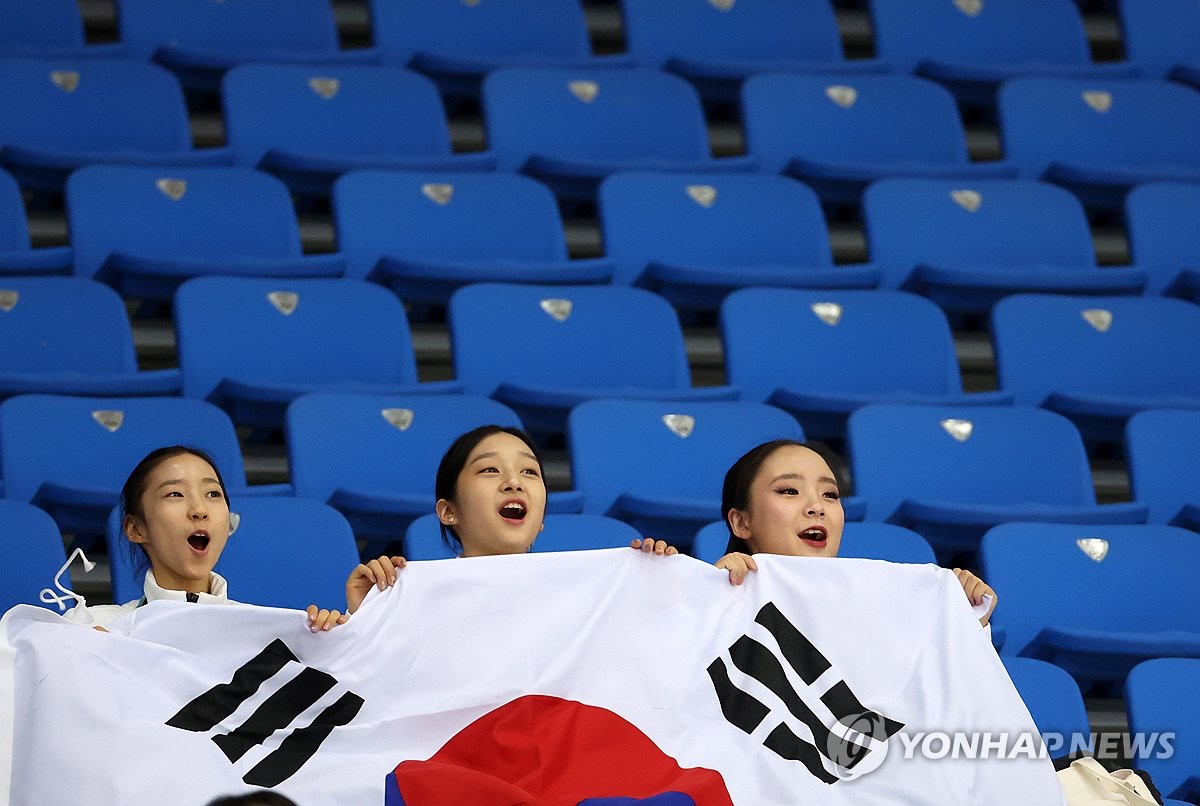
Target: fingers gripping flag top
x,y
584,677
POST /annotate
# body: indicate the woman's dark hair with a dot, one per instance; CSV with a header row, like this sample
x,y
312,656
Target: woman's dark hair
x,y
135,487
735,493
455,459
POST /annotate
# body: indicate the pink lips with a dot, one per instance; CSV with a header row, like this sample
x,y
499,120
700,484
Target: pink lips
x,y
817,544
510,506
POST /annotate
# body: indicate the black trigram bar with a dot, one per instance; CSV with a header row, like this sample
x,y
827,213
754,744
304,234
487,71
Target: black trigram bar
x,y
740,708
300,746
792,747
845,706
805,658
208,710
276,712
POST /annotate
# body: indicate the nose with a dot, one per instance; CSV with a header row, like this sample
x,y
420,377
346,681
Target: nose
x,y
513,484
816,508
198,510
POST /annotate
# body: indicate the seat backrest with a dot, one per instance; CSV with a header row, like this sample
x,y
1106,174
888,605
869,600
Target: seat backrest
x,y
544,28
1103,123
85,105
1137,347
976,455
884,341
569,336
655,449
379,442
425,217
1057,575
1160,219
657,31
423,540
96,442
332,110
1159,34
287,331
709,219
866,541
14,225
63,324
1052,697
579,113
173,213
850,118
992,223
1161,698
908,32
1162,448
583,532
227,29
48,24
33,553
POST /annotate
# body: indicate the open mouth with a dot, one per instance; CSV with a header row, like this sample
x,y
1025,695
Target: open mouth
x,y
198,541
513,511
815,536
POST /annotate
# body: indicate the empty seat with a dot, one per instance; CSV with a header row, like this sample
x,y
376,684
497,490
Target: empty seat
x,y
543,350
563,532
44,28
200,39
60,114
660,466
1054,701
719,44
1099,138
1056,578
571,128
1098,360
1162,448
950,473
311,124
1161,699
425,234
868,541
695,237
33,553
458,43
66,335
840,132
973,47
890,347
146,230
968,244
16,253
1161,37
71,455
1160,221
254,345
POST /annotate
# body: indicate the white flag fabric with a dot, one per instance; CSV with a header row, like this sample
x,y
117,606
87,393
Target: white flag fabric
x,y
543,679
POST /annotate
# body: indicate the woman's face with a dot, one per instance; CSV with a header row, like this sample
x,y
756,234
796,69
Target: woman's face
x,y
795,508
500,498
184,523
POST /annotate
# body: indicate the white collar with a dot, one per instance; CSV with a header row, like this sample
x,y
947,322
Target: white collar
x,y
216,595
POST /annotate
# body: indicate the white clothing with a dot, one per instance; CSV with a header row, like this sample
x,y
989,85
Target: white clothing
x,y
103,615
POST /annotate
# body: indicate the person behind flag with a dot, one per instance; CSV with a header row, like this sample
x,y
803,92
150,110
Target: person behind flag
x,y
783,497
490,492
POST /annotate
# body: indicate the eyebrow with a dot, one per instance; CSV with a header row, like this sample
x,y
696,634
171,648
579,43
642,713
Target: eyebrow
x,y
491,454
205,480
783,476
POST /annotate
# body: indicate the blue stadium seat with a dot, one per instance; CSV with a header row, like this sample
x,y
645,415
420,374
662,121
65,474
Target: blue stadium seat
x,y
571,128
458,43
968,244
717,45
200,39
146,230
17,256
680,451
60,114
1161,698
1098,360
563,532
890,347
1162,449
45,28
1100,138
695,237
973,48
1054,701
70,336
254,345
311,124
868,541
950,473
33,553
425,235
1160,221
1059,580
576,343
840,132
71,455
1162,37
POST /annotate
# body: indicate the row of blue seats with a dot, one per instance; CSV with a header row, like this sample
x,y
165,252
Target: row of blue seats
x,y
253,345
690,237
970,45
571,128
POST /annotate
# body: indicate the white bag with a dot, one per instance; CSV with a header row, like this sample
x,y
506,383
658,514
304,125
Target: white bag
x,y
1087,783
